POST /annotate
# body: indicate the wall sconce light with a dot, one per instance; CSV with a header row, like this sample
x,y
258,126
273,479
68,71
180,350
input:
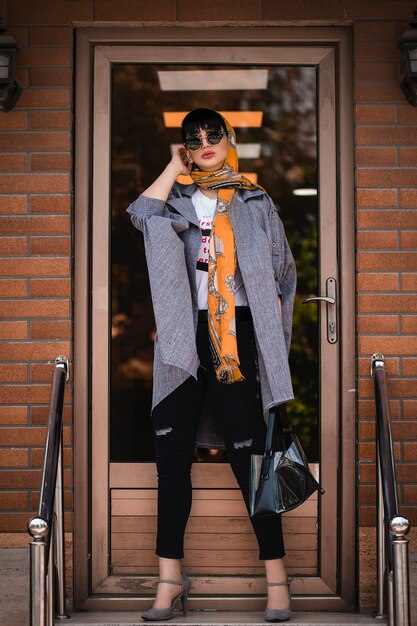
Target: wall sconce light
x,y
10,87
408,46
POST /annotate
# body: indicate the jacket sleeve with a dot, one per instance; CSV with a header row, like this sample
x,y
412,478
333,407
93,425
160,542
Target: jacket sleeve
x,y
285,273
144,208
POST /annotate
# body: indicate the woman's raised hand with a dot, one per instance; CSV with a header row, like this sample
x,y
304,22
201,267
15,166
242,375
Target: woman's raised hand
x,y
182,161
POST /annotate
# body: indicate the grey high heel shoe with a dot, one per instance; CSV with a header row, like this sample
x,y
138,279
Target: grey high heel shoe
x,y
277,615
158,615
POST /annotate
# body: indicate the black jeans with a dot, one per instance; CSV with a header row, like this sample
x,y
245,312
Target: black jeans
x,y
175,423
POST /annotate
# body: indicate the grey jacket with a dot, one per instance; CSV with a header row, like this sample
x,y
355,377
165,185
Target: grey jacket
x,y
172,242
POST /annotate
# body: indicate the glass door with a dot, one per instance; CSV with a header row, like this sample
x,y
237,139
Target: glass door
x,y
281,102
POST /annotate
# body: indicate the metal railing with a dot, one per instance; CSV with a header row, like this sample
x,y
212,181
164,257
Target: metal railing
x,y
47,548
392,544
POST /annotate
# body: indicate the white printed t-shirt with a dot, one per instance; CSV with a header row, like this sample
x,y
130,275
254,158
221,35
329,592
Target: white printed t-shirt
x,y
205,208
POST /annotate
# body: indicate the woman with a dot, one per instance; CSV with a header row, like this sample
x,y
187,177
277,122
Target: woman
x,y
223,281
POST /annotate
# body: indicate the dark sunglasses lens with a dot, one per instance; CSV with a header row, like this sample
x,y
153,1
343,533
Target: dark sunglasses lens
x,y
193,143
214,137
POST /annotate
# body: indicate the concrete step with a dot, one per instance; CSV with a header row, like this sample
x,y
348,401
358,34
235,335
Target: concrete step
x,y
222,618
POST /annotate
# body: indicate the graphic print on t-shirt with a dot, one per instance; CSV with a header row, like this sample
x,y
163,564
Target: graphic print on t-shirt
x,y
205,224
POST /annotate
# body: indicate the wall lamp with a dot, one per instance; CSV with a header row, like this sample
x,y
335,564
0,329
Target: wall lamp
x,y
408,46
10,87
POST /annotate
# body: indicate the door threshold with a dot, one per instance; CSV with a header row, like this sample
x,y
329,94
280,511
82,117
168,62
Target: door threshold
x,y
223,618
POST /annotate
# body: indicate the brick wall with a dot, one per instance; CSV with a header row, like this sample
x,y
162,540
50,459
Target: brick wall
x,y
35,224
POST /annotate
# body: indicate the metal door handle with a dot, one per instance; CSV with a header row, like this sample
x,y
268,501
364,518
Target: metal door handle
x,y
330,300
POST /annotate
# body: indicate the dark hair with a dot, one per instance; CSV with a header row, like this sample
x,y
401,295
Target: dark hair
x,y
201,118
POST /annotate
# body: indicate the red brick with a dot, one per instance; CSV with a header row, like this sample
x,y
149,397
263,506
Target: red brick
x,y
407,114
408,240
410,492
13,415
376,51
13,204
14,457
34,98
39,414
34,182
13,394
50,245
371,114
386,135
218,10
376,156
20,34
54,162
387,219
387,260
41,372
14,120
55,12
13,162
410,409
43,56
13,500
409,367
392,345
367,472
50,203
367,451
50,330
367,494
35,224
409,324
49,35
408,198
13,372
384,177
18,436
378,324
376,72
36,141
35,308
56,120
23,76
13,246
51,287
377,282
377,240
382,9
15,479
13,288
273,10
35,267
144,11
13,330
50,78
405,431
406,473
410,453
32,350
367,411
409,282
374,30
367,516
377,198
408,156
379,92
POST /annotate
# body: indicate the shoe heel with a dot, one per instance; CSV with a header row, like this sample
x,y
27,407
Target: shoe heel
x,y
184,604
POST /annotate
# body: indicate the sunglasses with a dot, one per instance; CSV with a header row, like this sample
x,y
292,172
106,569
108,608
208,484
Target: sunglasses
x,y
195,141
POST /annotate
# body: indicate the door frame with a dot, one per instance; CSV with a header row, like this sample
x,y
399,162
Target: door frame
x,y
101,43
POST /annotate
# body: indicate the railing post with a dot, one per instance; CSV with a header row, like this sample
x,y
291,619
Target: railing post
x,y
399,527
38,529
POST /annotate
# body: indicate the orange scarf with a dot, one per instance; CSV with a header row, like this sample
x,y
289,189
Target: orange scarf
x,y
222,264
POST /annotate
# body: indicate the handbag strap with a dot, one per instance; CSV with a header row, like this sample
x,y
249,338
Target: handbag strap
x,y
278,419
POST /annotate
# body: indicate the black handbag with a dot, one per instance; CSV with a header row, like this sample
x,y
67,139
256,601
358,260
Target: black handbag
x,y
280,479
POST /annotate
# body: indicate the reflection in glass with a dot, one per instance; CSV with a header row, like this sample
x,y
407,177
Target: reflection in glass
x,y
276,133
